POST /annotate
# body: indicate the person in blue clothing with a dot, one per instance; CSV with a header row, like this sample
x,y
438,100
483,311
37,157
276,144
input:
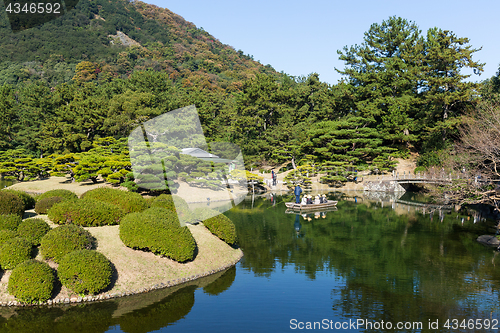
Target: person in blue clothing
x,y
297,193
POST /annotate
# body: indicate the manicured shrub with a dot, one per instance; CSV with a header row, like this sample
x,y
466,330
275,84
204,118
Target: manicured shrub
x,y
14,251
203,214
10,222
222,227
11,204
66,194
85,271
5,235
28,200
85,212
33,230
128,201
65,239
42,206
158,230
31,282
176,204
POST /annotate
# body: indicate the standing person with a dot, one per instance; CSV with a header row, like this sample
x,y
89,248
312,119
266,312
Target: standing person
x,y
272,176
297,193
275,178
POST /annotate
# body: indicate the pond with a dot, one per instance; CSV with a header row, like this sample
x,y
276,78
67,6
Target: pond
x,y
375,263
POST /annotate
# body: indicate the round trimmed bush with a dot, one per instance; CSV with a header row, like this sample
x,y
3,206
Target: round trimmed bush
x,y
158,230
175,204
222,227
10,203
33,230
5,235
42,206
130,202
31,282
14,251
85,212
65,239
66,194
85,271
10,222
28,200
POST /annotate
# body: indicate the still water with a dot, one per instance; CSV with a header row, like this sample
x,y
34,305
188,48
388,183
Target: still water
x,y
372,264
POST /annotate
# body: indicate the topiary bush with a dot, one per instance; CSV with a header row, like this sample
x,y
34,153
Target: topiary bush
x,y
28,200
66,194
10,222
31,282
10,203
158,230
33,230
128,201
85,271
14,251
85,212
42,206
65,239
222,227
5,235
175,204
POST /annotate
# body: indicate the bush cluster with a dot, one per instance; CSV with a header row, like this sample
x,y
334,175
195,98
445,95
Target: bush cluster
x,y
66,194
85,271
222,227
42,206
204,213
28,200
31,282
65,239
33,230
175,204
11,203
128,201
13,252
10,222
85,212
158,230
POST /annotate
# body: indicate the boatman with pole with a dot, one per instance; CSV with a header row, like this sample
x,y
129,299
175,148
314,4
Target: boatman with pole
x,y
297,193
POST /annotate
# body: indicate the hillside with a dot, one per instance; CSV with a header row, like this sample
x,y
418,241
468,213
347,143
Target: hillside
x,y
155,39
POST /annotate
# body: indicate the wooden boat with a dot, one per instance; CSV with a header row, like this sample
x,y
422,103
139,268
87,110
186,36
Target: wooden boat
x,y
301,207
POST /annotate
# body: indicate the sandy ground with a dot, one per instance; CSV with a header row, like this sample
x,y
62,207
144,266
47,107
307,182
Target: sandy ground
x,y
40,186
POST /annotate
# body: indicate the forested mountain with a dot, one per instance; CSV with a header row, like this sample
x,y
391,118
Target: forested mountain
x,y
88,78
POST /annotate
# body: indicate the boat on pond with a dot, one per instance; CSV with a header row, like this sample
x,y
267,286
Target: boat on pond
x,y
310,207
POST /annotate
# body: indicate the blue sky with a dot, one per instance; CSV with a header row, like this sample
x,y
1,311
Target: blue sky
x,y
300,37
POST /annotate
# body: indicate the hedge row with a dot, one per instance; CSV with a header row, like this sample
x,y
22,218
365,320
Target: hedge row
x,y
158,230
85,212
42,206
128,201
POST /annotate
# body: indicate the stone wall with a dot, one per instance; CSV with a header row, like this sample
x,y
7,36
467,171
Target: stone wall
x,y
383,186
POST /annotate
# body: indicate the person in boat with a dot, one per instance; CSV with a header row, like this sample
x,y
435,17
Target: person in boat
x,y
309,199
316,200
297,193
304,200
324,198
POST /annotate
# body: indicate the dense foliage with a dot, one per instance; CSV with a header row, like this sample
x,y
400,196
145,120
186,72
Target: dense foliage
x,y
65,194
28,200
222,227
9,222
42,206
13,252
64,239
128,201
85,271
11,204
86,213
158,230
31,282
33,230
175,204
6,234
